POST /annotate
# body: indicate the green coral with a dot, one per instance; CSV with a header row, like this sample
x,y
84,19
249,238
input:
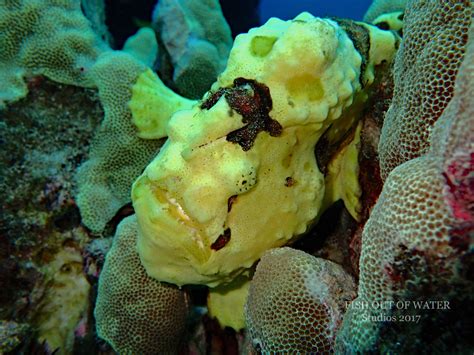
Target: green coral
x,y
46,37
197,40
143,46
117,154
53,38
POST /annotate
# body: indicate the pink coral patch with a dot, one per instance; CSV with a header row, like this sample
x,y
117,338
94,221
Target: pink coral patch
x,y
459,190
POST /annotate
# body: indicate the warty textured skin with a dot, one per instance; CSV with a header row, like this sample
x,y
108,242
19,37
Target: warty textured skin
x,y
251,140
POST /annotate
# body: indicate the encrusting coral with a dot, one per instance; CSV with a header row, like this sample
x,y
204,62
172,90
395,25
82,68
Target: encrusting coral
x,y
417,244
196,41
143,46
52,38
237,175
45,137
296,302
117,154
135,313
426,67
380,8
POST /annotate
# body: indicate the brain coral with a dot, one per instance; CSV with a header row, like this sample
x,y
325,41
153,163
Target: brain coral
x,y
425,69
417,244
46,37
134,313
296,302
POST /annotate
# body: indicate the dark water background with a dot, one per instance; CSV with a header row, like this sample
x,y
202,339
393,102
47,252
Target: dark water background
x,y
286,9
123,16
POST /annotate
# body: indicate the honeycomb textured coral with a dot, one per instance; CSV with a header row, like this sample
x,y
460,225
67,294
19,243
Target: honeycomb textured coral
x,y
215,198
410,212
134,313
455,130
117,154
46,37
426,65
423,217
296,302
453,140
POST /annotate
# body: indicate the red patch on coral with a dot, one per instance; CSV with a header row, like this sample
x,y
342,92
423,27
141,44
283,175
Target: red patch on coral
x,y
460,236
35,82
459,191
395,277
